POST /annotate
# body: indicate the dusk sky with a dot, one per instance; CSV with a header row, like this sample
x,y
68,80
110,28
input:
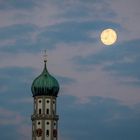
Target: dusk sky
x,y
99,98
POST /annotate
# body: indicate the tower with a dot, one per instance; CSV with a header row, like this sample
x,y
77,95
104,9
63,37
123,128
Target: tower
x,y
45,89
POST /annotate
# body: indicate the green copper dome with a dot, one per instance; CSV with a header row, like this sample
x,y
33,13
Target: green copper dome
x,y
45,84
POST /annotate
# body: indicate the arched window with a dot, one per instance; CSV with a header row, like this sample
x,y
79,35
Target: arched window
x,y
55,133
47,133
47,111
39,111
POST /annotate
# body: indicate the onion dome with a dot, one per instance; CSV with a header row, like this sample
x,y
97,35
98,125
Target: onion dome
x,y
45,84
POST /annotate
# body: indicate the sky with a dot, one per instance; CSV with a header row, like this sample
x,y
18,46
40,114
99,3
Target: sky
x,y
99,96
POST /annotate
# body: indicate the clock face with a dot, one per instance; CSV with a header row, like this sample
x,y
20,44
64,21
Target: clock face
x,y
108,36
39,132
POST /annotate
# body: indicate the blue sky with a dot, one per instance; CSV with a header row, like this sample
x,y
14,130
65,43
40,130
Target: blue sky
x,y
100,85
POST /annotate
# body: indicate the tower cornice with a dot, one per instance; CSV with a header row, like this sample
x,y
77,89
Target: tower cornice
x,y
44,117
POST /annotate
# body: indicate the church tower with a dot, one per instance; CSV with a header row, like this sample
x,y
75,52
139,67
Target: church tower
x,y
45,89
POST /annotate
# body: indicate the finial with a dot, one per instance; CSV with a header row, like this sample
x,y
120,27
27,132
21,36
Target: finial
x,y
45,56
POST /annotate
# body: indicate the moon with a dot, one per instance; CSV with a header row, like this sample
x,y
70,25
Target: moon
x,y
108,36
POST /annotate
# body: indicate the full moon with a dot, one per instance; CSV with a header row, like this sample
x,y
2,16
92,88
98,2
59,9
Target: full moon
x,y
108,36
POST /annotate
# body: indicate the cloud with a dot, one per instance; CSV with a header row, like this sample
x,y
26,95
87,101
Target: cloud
x,y
65,80
18,37
120,60
84,120
72,32
16,4
40,13
16,31
24,131
14,86
9,117
12,134
128,16
99,116
15,124
76,10
21,101
31,38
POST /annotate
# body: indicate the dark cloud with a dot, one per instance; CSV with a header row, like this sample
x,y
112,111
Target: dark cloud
x,y
14,82
16,31
89,9
22,37
67,32
17,4
120,60
65,80
11,133
23,45
70,32
100,119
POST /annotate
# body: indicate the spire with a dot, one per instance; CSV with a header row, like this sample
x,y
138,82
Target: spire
x,y
45,58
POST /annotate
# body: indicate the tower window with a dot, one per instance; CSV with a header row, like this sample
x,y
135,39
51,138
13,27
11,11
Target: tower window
x,y
47,133
47,123
38,123
47,111
47,101
39,111
55,133
39,101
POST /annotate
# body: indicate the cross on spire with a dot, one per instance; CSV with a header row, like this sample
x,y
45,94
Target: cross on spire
x,y
45,56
